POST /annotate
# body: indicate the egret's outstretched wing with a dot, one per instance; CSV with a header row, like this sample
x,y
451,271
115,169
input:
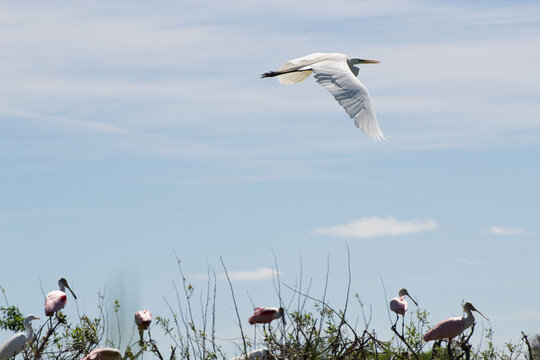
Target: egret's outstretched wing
x,y
337,78
298,70
303,61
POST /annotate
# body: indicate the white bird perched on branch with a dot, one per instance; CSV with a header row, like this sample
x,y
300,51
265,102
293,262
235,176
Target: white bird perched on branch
x,y
17,342
337,73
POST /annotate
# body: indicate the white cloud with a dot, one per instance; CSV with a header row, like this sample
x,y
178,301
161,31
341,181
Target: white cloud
x,y
259,274
499,230
376,226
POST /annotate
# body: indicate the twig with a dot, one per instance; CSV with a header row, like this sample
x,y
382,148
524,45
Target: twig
x,y
323,313
465,346
235,306
405,342
188,300
205,313
525,338
329,307
189,340
5,297
349,280
214,314
175,321
50,331
385,298
278,286
436,344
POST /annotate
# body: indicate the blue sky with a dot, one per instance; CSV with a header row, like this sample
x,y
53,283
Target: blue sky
x,y
130,132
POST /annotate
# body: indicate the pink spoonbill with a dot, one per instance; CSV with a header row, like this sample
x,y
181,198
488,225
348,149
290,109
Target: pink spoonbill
x,y
57,299
104,354
399,306
143,318
452,327
265,315
17,342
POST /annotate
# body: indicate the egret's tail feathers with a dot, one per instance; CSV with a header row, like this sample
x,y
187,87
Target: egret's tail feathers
x,y
289,76
294,77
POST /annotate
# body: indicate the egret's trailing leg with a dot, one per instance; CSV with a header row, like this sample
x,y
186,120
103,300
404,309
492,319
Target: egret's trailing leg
x,y
277,73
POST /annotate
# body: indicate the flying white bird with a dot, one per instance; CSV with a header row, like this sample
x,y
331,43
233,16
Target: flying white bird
x,y
337,73
17,342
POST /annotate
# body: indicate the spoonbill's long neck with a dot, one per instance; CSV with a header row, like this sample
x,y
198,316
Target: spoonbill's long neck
x,y
62,287
468,318
30,334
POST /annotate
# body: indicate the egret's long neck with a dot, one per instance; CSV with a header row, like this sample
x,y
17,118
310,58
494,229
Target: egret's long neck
x,y
468,318
30,334
354,69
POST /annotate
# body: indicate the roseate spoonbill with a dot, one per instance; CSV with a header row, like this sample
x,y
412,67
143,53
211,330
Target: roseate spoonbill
x,y
143,318
337,73
57,299
104,354
264,315
399,306
259,354
452,327
17,342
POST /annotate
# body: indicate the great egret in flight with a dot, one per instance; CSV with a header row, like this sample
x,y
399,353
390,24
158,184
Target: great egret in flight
x,y
337,73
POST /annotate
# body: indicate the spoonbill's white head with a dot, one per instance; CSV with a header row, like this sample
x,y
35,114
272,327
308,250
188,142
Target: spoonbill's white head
x,y
403,292
63,284
468,307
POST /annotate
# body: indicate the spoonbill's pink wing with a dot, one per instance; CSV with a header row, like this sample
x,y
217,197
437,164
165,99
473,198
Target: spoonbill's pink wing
x,y
398,305
269,312
55,301
143,318
446,329
263,315
104,354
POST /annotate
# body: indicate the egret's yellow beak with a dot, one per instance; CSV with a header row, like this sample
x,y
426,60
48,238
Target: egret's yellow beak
x,y
363,61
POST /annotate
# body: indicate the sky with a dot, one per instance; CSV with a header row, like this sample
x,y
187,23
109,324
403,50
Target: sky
x,y
134,133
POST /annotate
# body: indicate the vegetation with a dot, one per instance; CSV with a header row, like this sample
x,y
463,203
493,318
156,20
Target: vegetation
x,y
320,333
